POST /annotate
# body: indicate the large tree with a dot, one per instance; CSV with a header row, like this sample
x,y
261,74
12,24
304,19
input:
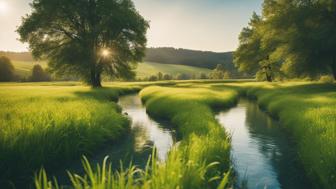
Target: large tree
x,y
86,37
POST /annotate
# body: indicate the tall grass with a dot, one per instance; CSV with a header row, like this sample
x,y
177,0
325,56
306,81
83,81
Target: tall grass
x,y
51,125
201,159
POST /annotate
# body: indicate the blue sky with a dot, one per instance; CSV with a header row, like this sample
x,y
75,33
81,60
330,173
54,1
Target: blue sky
x,y
194,24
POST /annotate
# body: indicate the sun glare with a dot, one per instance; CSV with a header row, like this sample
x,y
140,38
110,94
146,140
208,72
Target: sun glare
x,y
105,52
3,7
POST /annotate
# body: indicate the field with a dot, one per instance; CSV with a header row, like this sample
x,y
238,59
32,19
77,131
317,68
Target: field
x,y
54,123
24,68
145,69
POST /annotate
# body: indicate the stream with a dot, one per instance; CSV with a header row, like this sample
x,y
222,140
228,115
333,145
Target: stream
x,y
262,153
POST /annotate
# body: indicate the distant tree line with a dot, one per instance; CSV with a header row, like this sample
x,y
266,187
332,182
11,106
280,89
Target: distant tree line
x,y
7,72
291,39
217,74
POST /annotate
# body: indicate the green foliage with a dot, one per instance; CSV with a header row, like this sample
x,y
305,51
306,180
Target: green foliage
x,y
51,125
326,79
202,59
293,37
6,69
84,38
38,74
219,73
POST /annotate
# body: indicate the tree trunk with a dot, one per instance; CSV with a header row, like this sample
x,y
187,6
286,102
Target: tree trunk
x,y
95,79
268,70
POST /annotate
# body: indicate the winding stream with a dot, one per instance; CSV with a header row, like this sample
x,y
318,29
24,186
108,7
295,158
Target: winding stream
x,y
262,154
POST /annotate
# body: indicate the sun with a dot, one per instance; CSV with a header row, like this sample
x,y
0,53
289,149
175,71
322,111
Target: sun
x,y
3,7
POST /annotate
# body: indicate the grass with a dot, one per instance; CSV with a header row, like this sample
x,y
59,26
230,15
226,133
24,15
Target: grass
x,y
308,112
47,124
147,69
24,68
201,160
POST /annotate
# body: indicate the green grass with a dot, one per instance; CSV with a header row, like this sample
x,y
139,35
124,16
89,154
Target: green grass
x,y
308,112
201,160
147,69
49,124
24,68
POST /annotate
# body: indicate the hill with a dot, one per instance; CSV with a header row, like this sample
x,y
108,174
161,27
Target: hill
x,y
166,60
147,69
203,59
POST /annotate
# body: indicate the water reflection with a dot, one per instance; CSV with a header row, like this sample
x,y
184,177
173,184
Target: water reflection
x,y
263,155
159,136
135,147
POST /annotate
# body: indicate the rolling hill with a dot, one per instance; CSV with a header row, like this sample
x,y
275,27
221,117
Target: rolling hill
x,y
145,69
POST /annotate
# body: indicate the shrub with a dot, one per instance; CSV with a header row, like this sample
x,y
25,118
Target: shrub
x,y
38,74
326,79
6,69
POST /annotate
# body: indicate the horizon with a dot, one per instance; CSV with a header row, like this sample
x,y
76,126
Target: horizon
x,y
213,28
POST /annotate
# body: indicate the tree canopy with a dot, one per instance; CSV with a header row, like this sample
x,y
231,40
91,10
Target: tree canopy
x,y
291,38
87,37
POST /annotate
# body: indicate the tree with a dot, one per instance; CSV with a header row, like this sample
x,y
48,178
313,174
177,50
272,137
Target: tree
x,y
160,76
38,74
306,30
203,76
6,69
254,54
167,77
153,78
218,72
87,37
182,76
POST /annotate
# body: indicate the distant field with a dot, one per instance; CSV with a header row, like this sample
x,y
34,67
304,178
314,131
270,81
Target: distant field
x,y
23,68
149,68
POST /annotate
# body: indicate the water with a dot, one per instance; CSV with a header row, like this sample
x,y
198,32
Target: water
x,y
262,154
161,137
135,147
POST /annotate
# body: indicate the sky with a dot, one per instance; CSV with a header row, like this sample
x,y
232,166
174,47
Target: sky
x,y
209,25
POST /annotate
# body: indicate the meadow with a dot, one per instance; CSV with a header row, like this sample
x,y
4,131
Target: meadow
x,y
62,121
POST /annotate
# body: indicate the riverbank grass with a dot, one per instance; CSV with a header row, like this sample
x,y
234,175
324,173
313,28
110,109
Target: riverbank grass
x,y
49,124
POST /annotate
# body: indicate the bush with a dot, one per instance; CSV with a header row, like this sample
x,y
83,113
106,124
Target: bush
x,y
6,69
38,74
183,76
153,78
167,77
326,79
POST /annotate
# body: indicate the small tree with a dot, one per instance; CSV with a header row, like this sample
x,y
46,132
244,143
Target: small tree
x,y
183,76
38,74
160,76
218,72
6,69
153,78
167,77
203,76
